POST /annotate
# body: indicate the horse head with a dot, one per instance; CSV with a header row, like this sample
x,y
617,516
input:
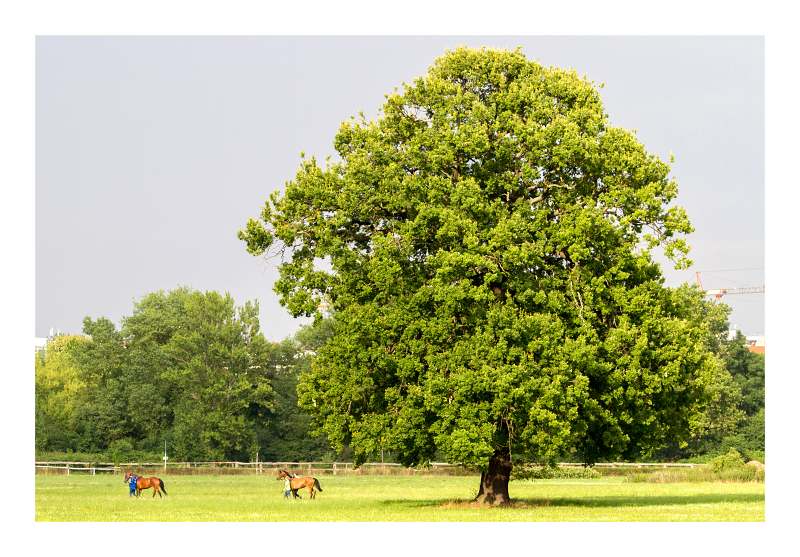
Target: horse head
x,y
127,477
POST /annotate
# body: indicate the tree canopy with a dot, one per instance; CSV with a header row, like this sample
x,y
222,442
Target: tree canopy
x,y
186,366
486,245
60,391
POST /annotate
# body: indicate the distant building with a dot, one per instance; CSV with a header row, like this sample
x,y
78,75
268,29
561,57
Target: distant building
x,y
756,344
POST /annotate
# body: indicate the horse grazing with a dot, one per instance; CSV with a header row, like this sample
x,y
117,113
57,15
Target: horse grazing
x,y
146,483
295,483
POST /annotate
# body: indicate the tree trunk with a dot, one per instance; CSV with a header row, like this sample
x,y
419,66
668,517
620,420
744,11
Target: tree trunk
x,y
494,481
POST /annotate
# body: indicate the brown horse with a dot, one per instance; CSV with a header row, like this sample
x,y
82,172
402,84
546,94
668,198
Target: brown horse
x,y
146,483
296,483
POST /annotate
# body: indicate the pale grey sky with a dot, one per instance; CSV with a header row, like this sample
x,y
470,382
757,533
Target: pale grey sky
x,y
151,152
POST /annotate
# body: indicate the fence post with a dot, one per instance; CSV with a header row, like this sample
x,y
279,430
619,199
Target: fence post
x,y
67,469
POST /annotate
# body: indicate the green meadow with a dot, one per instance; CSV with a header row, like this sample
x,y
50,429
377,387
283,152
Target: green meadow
x,y
395,498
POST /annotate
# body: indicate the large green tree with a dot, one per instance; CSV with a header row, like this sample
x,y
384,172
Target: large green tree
x,y
104,414
485,244
205,365
60,392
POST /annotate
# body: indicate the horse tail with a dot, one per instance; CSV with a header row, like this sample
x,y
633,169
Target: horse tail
x,y
316,484
161,483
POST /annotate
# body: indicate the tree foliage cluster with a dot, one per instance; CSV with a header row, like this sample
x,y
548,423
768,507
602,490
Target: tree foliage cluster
x,y
187,367
735,415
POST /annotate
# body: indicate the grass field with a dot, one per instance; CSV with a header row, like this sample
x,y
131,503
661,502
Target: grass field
x,y
394,498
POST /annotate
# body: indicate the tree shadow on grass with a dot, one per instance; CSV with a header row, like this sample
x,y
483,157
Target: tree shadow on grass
x,y
612,501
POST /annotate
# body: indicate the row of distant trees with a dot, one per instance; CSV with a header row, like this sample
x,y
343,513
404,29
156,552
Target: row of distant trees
x,y
193,369
186,367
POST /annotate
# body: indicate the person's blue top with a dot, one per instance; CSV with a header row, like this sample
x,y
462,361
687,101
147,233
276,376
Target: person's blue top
x,y
133,481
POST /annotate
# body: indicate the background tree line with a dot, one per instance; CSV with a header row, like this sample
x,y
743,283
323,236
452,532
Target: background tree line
x,y
187,367
193,369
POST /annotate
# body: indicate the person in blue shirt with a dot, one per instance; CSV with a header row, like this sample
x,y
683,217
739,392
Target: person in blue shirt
x,y
132,485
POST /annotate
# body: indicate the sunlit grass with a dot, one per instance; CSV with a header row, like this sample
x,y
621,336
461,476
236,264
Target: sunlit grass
x,y
394,498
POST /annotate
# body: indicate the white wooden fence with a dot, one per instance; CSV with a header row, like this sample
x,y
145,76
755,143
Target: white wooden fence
x,y
71,467
334,468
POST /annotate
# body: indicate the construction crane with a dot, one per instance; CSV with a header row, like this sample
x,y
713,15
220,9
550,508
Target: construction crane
x,y
718,293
